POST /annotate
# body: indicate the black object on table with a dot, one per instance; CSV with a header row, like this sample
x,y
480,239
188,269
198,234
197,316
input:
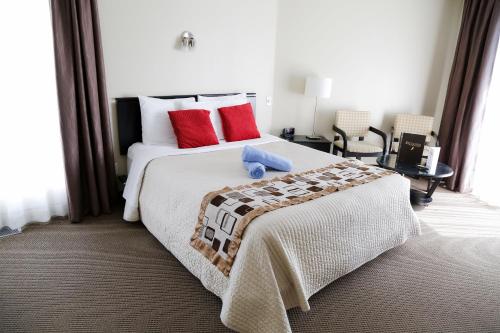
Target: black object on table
x,y
417,197
321,144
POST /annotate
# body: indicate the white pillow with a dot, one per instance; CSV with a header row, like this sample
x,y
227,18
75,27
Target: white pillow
x,y
156,126
238,97
212,106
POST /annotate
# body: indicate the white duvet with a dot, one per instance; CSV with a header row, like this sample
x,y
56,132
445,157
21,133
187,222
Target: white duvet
x,y
139,155
286,255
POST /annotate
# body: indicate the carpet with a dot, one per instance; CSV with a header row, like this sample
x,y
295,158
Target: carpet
x,y
105,275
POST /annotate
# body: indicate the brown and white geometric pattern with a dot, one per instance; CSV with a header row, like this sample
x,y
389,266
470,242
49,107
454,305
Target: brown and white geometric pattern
x,y
225,214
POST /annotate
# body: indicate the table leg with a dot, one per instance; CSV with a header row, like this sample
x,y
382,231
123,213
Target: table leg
x,y
433,184
423,198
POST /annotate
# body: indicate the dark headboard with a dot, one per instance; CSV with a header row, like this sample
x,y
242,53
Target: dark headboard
x,y
128,112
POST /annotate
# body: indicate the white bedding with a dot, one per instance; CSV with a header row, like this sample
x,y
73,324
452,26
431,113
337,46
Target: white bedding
x,y
139,155
286,255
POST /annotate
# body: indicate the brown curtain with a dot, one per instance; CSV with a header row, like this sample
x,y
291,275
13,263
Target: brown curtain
x,y
467,89
83,105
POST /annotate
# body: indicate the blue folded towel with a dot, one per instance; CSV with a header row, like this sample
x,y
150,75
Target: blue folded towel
x,y
256,170
270,160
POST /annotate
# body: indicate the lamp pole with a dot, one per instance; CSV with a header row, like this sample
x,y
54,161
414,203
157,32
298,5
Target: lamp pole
x,y
317,87
314,117
314,136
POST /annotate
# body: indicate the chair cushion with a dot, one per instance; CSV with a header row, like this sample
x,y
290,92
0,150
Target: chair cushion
x,y
359,146
353,123
412,123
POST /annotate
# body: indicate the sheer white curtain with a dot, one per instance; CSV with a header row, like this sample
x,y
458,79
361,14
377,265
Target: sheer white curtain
x,y
486,180
32,184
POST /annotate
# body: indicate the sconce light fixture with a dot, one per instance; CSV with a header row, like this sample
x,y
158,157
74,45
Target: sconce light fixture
x,y
187,40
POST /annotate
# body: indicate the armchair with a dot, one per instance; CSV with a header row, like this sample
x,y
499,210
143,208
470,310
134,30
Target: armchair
x,y
351,124
411,123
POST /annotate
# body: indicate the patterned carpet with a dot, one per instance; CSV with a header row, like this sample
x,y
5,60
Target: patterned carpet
x,y
104,275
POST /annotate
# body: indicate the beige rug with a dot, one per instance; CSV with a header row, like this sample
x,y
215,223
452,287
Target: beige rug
x,y
104,275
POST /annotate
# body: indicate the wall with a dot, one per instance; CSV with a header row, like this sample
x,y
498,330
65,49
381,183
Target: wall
x,y
385,56
234,51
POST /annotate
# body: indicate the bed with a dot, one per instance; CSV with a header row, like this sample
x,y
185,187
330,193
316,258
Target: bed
x,y
286,255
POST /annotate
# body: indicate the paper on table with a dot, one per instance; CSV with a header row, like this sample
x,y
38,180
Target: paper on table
x,y
432,159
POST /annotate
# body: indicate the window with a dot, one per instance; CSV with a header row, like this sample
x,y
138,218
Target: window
x,y
486,181
32,184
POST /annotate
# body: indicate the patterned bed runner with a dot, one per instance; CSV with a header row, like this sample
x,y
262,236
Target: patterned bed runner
x,y
225,214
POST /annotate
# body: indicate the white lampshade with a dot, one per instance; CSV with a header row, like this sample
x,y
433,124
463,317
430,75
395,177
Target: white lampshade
x,y
318,87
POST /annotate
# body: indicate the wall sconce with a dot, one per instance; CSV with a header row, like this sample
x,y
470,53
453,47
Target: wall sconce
x,y
187,40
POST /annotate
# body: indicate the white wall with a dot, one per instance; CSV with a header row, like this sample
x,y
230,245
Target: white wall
x,y
234,51
385,56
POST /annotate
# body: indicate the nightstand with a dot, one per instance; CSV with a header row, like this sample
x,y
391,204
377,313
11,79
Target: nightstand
x,y
322,144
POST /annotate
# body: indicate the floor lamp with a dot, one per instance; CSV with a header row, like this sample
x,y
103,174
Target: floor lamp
x,y
319,88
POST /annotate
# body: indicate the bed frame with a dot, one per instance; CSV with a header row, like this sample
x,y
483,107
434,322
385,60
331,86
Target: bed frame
x,y
128,113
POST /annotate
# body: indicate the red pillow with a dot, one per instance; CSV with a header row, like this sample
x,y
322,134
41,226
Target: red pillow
x,y
238,123
193,128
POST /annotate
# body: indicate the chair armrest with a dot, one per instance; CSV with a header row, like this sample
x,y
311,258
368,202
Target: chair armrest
x,y
391,140
382,134
342,134
436,137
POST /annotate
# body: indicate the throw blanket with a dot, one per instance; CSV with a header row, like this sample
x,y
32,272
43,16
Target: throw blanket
x,y
225,214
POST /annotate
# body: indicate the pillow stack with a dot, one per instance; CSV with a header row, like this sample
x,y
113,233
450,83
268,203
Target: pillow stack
x,y
196,124
156,126
193,128
238,122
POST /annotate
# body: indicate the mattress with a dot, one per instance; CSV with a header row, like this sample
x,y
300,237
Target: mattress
x,y
286,255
